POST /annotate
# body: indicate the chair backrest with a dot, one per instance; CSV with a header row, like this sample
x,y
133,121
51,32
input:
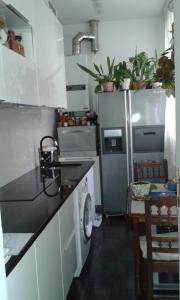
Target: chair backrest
x,y
154,171
162,249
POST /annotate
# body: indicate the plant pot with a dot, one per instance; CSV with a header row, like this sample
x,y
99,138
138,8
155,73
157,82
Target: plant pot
x,y
108,86
139,84
126,83
140,188
157,85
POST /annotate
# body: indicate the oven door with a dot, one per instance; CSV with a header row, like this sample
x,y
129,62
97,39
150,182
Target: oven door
x,y
77,139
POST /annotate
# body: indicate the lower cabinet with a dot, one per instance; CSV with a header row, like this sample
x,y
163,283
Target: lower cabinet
x,y
48,260
68,242
47,269
22,281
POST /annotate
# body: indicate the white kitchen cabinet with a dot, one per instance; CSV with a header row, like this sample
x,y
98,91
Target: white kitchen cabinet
x,y
2,81
22,281
47,269
77,99
3,286
18,81
48,257
68,243
49,53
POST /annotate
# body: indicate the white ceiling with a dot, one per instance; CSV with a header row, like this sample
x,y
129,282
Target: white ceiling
x,y
80,11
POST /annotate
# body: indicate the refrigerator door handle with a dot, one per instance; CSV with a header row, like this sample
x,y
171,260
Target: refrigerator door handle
x,y
127,136
131,137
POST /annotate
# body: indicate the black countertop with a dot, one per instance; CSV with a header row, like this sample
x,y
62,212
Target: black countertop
x,y
33,215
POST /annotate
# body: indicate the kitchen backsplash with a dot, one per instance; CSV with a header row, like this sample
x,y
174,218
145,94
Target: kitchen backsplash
x,y
20,132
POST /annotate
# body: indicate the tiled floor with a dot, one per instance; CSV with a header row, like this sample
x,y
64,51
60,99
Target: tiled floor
x,y
108,272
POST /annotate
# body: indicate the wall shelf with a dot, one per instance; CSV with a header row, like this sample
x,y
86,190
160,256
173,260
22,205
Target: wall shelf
x,y
20,25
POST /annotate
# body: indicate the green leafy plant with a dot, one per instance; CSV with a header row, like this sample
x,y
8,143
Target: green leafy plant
x,y
99,75
143,68
121,71
166,71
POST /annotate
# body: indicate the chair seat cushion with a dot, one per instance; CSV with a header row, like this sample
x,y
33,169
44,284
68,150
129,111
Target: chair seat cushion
x,y
157,255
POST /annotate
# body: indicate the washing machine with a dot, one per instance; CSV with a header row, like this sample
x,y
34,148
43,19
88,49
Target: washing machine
x,y
93,181
83,223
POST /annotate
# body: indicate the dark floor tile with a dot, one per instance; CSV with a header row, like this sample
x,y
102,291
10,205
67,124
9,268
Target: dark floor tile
x,y
108,272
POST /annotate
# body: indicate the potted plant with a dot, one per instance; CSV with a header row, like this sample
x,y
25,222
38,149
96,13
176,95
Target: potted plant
x,y
165,73
122,75
143,69
103,80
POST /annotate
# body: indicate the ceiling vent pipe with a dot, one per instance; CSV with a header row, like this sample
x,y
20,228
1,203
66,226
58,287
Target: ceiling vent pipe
x,y
90,36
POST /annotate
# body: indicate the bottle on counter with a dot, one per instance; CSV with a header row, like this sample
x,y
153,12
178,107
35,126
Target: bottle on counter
x,y
66,119
60,119
84,121
77,121
71,121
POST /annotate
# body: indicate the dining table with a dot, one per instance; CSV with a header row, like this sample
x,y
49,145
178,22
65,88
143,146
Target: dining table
x,y
135,210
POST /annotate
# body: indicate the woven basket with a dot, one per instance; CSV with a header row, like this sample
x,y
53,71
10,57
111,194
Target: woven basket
x,y
140,188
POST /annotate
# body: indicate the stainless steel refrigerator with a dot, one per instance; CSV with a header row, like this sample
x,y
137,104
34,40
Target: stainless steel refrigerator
x,y
131,128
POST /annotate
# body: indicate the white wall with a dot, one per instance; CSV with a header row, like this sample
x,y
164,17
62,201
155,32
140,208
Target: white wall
x,y
20,132
119,38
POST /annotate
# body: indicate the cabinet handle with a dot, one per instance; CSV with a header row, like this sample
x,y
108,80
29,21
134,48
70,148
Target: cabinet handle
x,y
150,133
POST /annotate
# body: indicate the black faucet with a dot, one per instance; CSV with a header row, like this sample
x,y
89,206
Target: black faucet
x,y
48,157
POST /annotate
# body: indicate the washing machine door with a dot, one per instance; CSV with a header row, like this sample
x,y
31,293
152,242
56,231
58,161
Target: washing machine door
x,y
86,217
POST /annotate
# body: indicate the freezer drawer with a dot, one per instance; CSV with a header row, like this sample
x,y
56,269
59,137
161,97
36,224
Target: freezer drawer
x,y
114,183
148,139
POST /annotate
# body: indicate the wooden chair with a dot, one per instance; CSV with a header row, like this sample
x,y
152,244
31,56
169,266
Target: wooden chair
x,y
159,251
154,171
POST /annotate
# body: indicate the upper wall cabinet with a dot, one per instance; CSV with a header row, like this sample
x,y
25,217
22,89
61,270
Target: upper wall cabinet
x,y
49,53
18,82
38,76
18,79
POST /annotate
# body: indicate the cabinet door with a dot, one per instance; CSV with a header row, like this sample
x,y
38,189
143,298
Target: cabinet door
x,y
49,262
49,52
3,287
69,263
18,78
2,81
68,243
22,281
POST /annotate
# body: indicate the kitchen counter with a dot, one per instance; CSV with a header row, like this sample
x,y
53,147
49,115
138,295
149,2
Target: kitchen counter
x,y
32,214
